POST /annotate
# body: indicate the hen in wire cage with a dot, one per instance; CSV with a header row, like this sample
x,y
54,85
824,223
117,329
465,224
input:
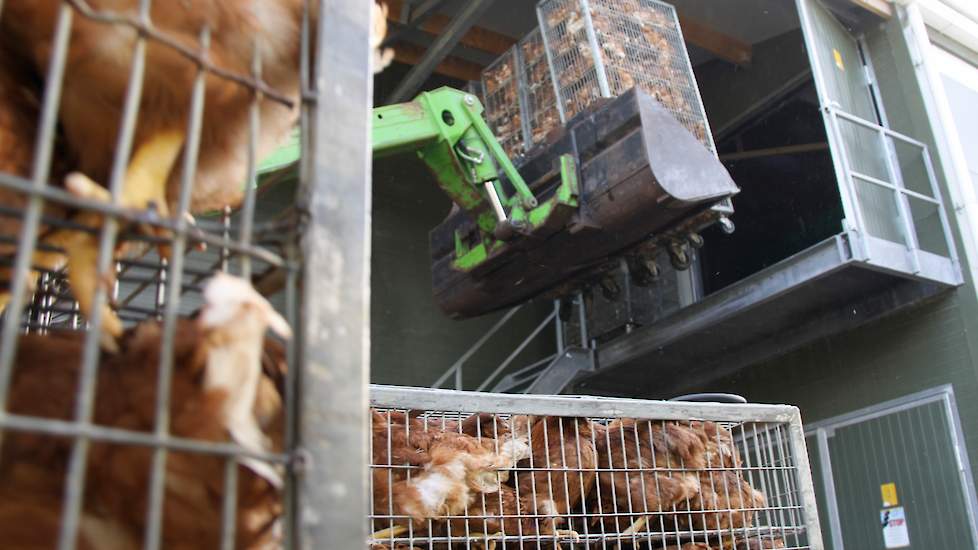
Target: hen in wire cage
x,y
141,253
602,48
451,475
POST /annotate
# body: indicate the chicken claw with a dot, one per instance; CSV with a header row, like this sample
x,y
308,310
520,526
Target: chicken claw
x,y
83,277
636,527
568,533
144,187
146,177
389,533
145,181
490,540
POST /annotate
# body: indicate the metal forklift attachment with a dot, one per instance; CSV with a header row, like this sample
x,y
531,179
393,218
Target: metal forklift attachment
x,y
448,132
620,181
645,182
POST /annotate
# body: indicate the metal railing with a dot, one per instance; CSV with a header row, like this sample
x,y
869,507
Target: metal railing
x,y
520,378
894,183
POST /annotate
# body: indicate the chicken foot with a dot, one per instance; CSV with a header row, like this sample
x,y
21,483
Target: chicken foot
x,y
490,539
636,527
389,533
144,188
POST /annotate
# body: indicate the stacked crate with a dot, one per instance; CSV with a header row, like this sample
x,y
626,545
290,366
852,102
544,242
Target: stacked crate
x,y
540,101
582,52
520,102
585,50
603,48
562,473
503,105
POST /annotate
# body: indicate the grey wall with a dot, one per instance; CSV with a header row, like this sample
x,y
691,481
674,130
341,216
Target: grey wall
x,y
412,342
919,349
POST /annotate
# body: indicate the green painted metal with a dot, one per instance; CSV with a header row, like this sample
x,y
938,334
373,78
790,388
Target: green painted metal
x,y
446,130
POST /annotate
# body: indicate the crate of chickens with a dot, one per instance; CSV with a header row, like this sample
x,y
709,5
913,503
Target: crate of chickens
x,y
603,48
503,103
453,469
540,114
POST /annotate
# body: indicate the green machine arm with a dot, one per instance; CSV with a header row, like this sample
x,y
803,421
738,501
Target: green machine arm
x,y
446,129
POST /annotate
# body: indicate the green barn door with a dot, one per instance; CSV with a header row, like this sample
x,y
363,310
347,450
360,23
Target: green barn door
x,y
904,463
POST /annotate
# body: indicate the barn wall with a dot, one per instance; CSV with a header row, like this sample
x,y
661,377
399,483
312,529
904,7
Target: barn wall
x,y
412,342
928,346
729,90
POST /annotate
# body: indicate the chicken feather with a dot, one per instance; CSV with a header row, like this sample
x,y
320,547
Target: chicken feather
x,y
96,82
214,393
20,97
668,455
450,468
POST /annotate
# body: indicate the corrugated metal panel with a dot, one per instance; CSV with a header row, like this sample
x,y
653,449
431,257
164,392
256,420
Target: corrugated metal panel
x,y
913,449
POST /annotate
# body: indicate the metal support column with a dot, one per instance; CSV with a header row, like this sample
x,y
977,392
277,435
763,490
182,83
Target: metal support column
x,y
335,337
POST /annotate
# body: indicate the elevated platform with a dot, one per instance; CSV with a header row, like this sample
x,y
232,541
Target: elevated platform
x,y
832,287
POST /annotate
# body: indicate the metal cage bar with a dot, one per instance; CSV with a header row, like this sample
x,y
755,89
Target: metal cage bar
x,y
148,288
335,350
586,456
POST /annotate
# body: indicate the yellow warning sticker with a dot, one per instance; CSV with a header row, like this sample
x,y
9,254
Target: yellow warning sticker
x,y
889,493
838,59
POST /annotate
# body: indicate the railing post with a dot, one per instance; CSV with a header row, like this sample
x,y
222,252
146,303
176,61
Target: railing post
x,y
560,328
334,365
582,320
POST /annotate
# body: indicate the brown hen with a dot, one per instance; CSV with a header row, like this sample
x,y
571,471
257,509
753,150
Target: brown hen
x,y
95,85
563,460
20,98
96,82
449,469
661,458
725,499
564,451
218,394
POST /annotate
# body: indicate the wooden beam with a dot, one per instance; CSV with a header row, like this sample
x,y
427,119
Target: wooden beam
x,y
881,8
476,37
453,67
722,45
776,151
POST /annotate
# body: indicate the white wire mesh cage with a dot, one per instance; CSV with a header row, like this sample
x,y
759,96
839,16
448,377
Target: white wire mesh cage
x,y
540,112
463,470
137,407
603,48
503,106
520,103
